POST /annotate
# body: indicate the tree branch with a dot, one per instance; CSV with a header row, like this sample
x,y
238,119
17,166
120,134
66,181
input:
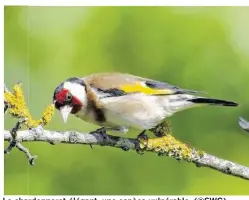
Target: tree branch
x,y
5,103
15,104
244,124
72,137
163,145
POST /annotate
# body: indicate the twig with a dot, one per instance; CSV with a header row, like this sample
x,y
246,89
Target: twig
x,y
72,137
5,108
28,154
16,106
244,124
13,142
5,103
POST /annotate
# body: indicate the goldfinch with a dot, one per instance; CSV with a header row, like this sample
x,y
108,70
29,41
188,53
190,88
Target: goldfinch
x,y
118,101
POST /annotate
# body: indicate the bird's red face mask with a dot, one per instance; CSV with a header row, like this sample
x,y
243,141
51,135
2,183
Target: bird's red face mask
x,y
66,103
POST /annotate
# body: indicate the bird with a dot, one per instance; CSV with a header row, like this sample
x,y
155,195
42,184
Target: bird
x,y
120,101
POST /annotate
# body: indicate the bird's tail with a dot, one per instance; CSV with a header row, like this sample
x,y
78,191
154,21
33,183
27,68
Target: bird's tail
x,y
180,102
201,100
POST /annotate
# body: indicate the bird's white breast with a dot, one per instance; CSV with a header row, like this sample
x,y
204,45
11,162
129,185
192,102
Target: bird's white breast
x,y
137,111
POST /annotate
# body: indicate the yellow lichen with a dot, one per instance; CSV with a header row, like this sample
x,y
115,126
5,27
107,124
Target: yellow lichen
x,y
167,145
200,153
48,113
18,108
162,129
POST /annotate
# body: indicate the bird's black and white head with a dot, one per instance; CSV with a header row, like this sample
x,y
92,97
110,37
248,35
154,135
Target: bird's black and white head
x,y
70,97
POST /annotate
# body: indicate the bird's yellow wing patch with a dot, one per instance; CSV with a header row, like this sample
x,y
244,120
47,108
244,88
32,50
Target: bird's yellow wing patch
x,y
141,87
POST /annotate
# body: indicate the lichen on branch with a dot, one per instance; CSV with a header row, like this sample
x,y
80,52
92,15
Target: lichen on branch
x,y
17,107
168,145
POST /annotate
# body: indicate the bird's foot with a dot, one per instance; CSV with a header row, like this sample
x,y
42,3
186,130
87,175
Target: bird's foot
x,y
102,132
125,148
162,129
141,136
122,130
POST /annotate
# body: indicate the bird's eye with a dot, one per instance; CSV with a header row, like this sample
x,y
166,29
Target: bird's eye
x,y
69,97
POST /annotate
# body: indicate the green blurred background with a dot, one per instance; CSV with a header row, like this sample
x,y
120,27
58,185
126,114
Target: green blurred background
x,y
201,48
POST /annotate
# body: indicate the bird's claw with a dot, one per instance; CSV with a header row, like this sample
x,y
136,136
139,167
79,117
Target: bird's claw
x,y
125,148
138,149
101,131
142,136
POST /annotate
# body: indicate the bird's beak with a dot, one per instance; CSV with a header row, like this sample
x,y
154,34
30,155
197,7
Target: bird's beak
x,y
65,111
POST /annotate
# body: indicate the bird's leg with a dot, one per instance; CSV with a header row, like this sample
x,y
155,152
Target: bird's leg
x,y
162,129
